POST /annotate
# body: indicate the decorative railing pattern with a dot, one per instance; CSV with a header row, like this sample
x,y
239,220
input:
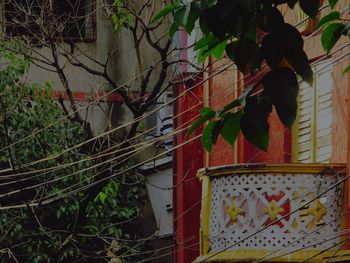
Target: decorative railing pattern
x,y
288,208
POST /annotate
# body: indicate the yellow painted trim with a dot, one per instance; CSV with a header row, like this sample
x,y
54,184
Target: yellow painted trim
x,y
205,215
340,256
313,122
295,135
252,169
206,88
238,81
252,255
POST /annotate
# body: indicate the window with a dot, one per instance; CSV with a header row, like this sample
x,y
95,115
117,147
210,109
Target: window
x,y
42,19
312,130
161,122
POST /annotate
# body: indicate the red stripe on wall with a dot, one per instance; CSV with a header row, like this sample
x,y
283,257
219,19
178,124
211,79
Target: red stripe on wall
x,y
87,96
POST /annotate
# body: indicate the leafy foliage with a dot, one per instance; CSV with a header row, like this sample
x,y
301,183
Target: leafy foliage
x,y
253,32
38,234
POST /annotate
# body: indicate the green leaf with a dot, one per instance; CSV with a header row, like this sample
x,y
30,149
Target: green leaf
x,y
208,3
166,10
206,110
206,114
229,107
231,127
334,15
310,7
254,121
281,85
206,138
102,196
218,51
242,52
215,47
224,7
330,35
346,70
204,41
238,102
271,50
291,37
179,16
332,3
216,130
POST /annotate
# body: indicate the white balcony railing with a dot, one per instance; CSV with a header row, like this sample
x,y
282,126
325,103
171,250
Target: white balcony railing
x,y
272,213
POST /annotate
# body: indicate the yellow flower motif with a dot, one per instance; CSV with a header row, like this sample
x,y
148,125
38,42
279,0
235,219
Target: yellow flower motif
x,y
273,210
234,211
318,211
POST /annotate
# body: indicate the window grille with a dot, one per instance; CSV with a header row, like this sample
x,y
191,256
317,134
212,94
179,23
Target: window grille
x,y
69,20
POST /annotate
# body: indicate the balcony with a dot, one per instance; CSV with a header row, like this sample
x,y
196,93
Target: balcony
x,y
273,213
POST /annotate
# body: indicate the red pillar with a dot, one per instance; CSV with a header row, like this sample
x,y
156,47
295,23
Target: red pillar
x,y
188,159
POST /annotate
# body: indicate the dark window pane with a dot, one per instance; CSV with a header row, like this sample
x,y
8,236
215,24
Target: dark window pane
x,y
44,18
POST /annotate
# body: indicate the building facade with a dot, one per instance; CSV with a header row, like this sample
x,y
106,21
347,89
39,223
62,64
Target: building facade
x,y
241,205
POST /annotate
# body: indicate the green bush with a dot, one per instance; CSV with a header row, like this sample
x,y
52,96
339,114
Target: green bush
x,y
42,233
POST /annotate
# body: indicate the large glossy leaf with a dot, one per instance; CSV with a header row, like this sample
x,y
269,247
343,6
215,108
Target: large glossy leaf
x,y
219,50
310,7
224,7
254,121
332,3
206,138
291,3
215,48
192,17
334,15
271,50
216,130
215,23
231,127
300,63
179,16
168,9
273,19
282,87
290,37
204,41
206,114
330,35
238,102
242,52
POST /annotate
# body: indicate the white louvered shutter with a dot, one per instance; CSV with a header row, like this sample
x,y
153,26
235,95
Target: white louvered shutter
x,y
312,138
305,124
324,83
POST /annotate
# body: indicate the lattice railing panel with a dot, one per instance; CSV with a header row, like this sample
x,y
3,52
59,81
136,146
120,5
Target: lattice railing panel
x,y
244,204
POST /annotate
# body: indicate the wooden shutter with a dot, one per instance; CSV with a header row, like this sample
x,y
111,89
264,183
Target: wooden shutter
x,y
312,129
323,130
304,125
